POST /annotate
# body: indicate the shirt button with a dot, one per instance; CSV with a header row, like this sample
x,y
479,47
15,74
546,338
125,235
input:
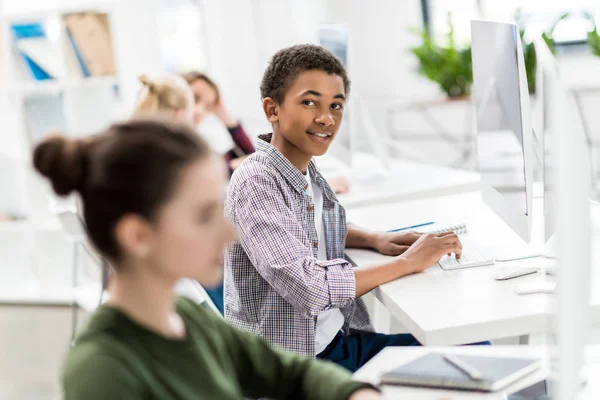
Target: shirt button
x,y
310,208
306,186
316,244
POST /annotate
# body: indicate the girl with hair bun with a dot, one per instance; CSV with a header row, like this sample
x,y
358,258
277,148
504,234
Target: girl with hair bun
x,y
167,94
152,195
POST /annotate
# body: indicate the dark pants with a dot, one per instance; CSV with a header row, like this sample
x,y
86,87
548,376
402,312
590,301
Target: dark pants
x,y
216,295
354,351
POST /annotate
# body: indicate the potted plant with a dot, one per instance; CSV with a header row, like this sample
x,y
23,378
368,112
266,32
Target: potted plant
x,y
448,64
594,41
529,49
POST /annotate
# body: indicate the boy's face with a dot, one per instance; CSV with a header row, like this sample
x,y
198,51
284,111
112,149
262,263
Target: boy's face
x,y
311,112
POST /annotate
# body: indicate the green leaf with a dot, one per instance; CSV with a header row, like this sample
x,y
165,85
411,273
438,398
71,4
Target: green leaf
x,y
448,65
594,41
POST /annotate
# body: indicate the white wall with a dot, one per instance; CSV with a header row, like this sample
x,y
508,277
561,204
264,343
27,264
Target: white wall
x,y
136,42
243,35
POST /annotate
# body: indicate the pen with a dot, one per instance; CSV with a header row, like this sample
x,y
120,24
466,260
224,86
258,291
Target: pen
x,y
411,227
463,366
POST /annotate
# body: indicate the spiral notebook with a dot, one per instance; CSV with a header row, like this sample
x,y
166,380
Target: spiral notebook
x,y
433,370
459,229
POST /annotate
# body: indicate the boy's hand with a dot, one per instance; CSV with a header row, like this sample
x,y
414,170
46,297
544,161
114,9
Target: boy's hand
x,y
429,248
395,243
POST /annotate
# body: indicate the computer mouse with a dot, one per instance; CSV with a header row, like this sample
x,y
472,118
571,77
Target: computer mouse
x,y
514,272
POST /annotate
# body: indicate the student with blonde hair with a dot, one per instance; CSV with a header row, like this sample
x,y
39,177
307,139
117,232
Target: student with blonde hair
x,y
166,94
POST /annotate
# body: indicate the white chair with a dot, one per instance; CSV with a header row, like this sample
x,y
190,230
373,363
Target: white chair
x,y
194,291
75,229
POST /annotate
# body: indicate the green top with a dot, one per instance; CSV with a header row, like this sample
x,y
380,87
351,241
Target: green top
x,y
115,358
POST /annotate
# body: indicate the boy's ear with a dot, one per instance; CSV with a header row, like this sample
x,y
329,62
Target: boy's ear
x,y
270,109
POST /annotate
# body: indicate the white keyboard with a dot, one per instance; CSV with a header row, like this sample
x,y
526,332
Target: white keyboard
x,y
472,256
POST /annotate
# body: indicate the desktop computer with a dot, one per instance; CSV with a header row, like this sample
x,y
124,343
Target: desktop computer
x,y
550,89
567,189
504,134
504,128
504,137
359,146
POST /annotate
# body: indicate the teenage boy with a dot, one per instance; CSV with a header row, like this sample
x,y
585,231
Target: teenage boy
x,y
286,279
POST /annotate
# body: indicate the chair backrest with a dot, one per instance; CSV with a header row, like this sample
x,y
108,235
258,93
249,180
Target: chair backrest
x,y
75,229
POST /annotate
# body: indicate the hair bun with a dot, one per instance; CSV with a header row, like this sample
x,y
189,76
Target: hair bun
x,y
146,81
63,161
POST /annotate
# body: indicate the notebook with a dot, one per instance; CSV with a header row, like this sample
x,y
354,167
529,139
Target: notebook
x,y
459,229
433,370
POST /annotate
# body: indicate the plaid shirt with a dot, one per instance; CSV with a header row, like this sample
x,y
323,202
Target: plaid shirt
x,y
275,286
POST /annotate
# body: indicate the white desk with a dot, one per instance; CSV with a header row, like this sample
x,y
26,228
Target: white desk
x,y
85,296
462,306
392,357
404,181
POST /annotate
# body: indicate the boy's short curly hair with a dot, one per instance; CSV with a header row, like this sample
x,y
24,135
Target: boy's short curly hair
x,y
287,63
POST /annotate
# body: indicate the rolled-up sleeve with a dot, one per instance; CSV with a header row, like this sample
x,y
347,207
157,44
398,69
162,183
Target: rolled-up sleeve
x,y
271,236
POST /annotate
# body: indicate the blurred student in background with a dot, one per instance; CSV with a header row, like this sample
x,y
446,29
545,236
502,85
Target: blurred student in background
x,y
171,96
152,193
208,100
168,94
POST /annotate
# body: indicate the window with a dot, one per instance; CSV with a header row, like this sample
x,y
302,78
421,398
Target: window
x,y
182,36
536,16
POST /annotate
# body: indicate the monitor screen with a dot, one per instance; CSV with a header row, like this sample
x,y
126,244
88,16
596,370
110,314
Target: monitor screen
x,y
497,93
334,37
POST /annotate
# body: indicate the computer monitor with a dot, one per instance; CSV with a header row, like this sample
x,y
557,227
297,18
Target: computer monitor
x,y
334,37
358,136
546,79
549,90
504,134
567,189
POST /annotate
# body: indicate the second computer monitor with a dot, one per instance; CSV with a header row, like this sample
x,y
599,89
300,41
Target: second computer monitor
x,y
504,135
553,95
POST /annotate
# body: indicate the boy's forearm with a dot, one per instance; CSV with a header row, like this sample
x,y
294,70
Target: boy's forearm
x,y
360,238
371,276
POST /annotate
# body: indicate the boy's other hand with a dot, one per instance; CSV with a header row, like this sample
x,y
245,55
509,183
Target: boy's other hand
x,y
429,248
395,243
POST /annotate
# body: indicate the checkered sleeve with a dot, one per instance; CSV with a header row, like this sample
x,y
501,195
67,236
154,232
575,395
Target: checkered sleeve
x,y
272,237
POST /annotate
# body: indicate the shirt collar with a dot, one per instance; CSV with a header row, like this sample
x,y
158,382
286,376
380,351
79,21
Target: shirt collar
x,y
289,171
